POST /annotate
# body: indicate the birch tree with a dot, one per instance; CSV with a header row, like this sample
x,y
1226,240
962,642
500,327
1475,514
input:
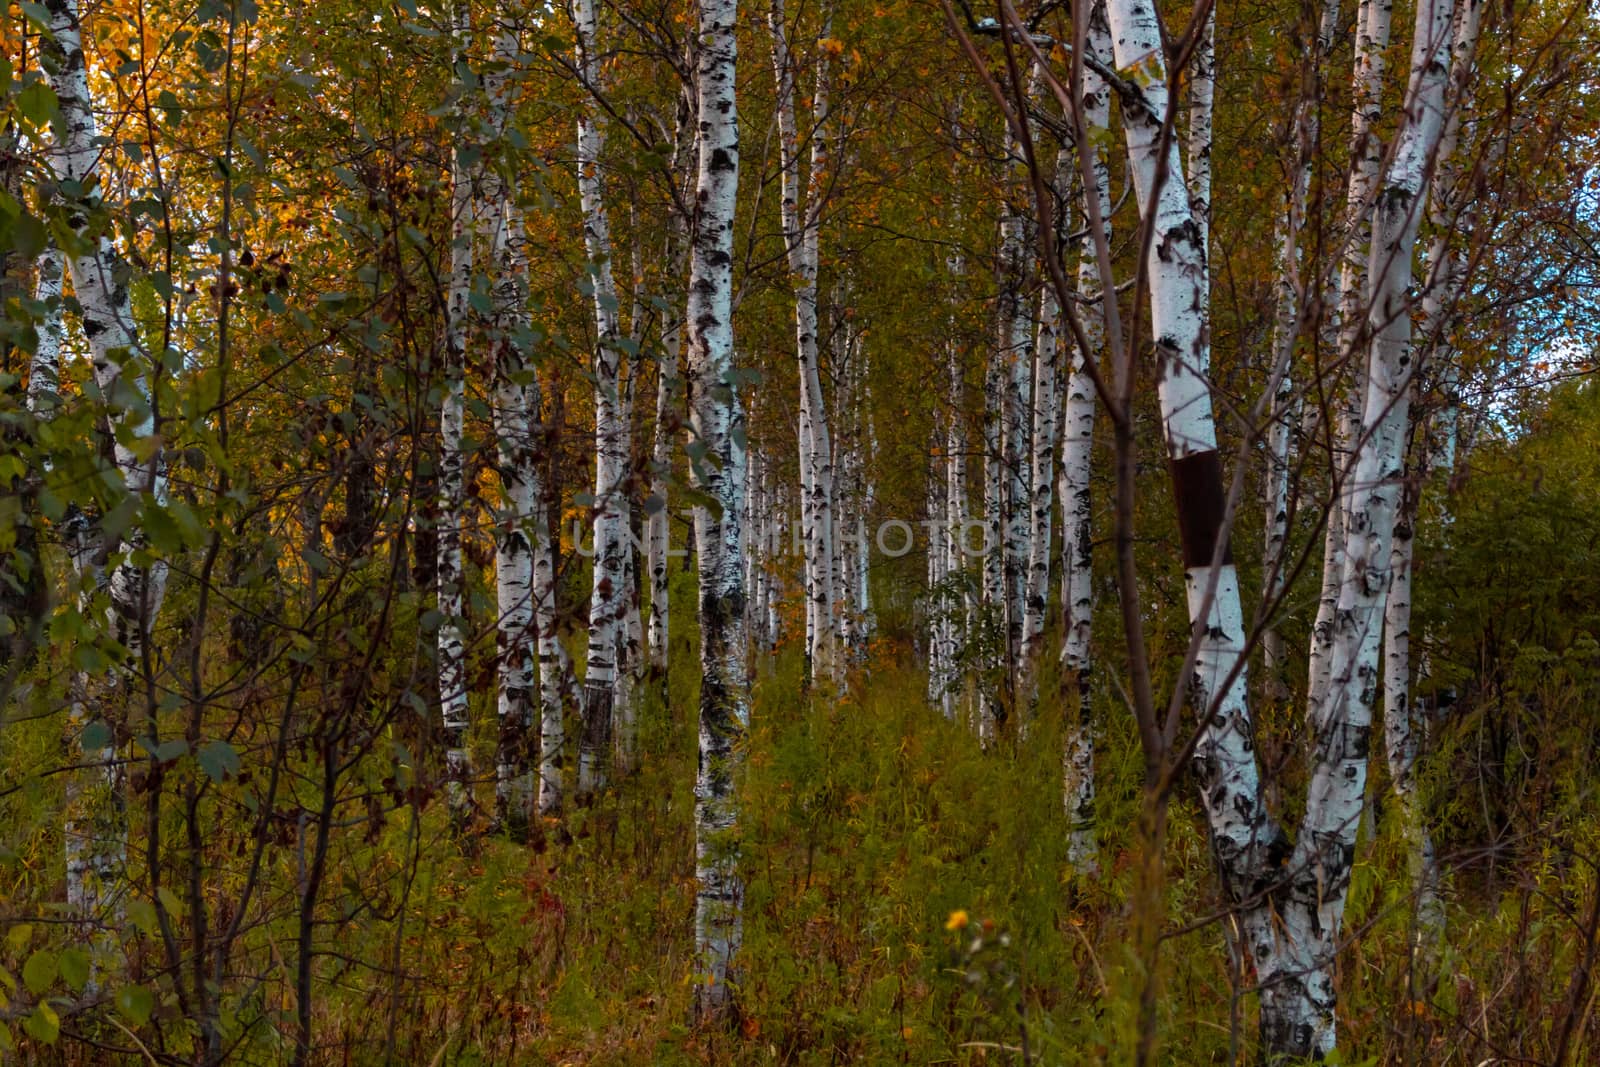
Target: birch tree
x,y
516,406
1372,40
1077,448
95,826
606,599
959,607
716,451
465,174
802,224
1047,359
1286,323
552,660
1016,314
1325,849
668,397
1442,290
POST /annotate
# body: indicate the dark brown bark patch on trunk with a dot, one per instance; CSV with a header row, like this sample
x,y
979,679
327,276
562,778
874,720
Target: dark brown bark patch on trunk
x,y
1197,485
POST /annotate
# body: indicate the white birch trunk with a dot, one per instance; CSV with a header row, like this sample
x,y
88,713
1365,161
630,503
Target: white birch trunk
x,y
465,174
44,369
95,824
938,562
1243,838
1335,796
606,600
959,607
94,818
1046,423
1018,312
999,396
515,408
866,462
658,533
100,283
1372,40
1285,332
1400,730
1202,96
802,229
1077,448
715,448
552,734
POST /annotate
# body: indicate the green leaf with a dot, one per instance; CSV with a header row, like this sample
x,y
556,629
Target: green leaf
x,y
37,14
19,936
37,102
142,914
218,759
43,1025
170,901
167,751
96,736
39,971
75,968
135,1002
29,237
163,534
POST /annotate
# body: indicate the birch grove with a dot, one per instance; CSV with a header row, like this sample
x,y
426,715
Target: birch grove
x,y
515,535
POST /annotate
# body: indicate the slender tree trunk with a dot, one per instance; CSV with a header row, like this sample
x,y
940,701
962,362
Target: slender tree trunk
x,y
802,229
1285,332
1400,735
938,571
669,397
959,606
1244,839
1046,422
516,406
465,207
716,425
1018,313
630,622
1372,40
606,602
552,661
1324,851
44,369
1077,448
95,823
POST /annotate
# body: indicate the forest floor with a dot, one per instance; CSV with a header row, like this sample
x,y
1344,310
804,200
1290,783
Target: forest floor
x,y
908,900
